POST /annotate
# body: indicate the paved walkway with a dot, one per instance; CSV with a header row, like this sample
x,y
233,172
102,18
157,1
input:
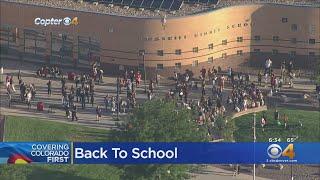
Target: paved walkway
x,y
212,173
87,116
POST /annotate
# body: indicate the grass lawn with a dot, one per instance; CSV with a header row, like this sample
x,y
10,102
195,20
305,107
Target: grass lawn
x,y
31,129
309,132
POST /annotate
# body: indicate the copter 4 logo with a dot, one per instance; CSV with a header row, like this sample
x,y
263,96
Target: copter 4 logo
x,y
67,21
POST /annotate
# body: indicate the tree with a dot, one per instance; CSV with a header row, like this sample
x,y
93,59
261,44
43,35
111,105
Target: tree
x,y
224,128
159,121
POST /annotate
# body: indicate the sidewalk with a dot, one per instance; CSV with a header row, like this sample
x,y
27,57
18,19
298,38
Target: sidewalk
x,y
88,120
212,173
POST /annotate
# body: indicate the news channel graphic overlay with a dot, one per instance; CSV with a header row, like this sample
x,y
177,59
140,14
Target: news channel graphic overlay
x,y
195,153
66,21
35,153
293,153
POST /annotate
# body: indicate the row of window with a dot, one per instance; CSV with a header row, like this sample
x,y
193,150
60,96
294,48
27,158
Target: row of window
x,y
276,51
195,63
293,27
224,42
292,40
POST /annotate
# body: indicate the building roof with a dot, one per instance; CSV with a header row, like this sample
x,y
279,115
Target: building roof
x,y
186,8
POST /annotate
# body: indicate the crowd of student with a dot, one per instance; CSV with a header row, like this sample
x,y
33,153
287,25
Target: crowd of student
x,y
27,91
244,92
52,72
83,91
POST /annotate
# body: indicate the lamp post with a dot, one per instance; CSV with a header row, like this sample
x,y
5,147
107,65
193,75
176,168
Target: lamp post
x,y
142,53
254,140
118,98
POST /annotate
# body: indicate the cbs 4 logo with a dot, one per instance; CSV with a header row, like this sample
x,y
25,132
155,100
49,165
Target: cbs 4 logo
x,y
275,151
68,21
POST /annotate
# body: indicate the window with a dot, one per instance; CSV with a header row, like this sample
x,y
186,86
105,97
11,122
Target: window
x,y
121,67
177,65
195,63
175,38
141,52
257,38
312,41
294,27
292,53
163,38
15,36
185,37
178,51
110,30
156,38
159,66
179,37
160,52
284,20
169,38
239,39
256,50
275,51
210,46
195,49
64,37
312,29
210,60
141,65
312,53
224,55
294,40
224,42
275,38
239,52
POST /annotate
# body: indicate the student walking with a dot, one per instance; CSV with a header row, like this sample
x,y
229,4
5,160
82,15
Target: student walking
x,y
74,113
83,99
99,113
92,99
49,87
259,78
106,102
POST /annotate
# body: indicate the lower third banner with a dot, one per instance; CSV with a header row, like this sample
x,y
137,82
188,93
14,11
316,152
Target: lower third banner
x,y
196,153
158,153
